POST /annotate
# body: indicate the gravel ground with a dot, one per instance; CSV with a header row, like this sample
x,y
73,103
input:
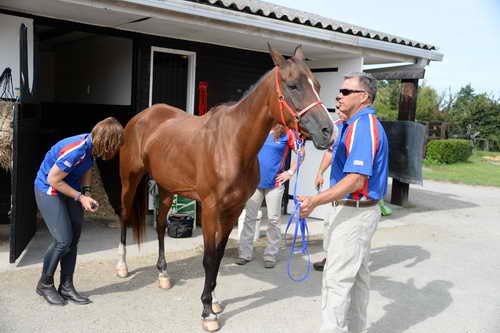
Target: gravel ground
x,y
434,269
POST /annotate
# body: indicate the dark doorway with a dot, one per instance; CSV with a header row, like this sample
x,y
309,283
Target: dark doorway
x,y
170,79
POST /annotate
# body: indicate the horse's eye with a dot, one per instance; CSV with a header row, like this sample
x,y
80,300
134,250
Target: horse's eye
x,y
292,86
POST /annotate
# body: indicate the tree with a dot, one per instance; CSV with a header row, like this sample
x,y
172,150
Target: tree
x,y
459,112
473,115
387,101
428,102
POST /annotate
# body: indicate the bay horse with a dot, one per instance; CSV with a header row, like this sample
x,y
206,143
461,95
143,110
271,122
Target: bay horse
x,y
213,159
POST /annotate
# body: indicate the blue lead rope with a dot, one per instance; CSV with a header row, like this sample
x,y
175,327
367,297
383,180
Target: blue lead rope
x,y
300,226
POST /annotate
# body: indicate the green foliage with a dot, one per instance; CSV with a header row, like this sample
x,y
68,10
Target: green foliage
x,y
387,101
428,102
470,115
448,151
476,116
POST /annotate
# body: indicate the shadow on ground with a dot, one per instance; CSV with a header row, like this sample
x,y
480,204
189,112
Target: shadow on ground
x,y
421,200
408,305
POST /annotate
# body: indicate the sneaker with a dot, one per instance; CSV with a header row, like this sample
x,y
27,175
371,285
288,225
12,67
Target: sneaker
x,y
320,265
242,261
269,264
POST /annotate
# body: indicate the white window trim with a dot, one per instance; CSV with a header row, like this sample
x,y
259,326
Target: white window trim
x,y
191,75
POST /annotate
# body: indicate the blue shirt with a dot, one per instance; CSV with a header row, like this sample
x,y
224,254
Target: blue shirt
x,y
272,157
363,149
72,155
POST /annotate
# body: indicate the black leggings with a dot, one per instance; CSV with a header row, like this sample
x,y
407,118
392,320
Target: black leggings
x,y
64,218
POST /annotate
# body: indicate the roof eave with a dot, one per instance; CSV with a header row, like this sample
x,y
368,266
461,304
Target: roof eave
x,y
243,20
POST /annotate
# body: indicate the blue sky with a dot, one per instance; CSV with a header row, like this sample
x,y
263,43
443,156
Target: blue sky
x,y
467,32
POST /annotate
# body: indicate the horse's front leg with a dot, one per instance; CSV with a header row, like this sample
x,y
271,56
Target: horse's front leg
x,y
221,241
210,216
216,231
161,223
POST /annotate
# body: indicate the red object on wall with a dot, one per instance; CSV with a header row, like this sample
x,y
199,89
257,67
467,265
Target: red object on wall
x,y
202,97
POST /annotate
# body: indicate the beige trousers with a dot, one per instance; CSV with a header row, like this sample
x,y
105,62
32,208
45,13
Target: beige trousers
x,y
273,198
346,277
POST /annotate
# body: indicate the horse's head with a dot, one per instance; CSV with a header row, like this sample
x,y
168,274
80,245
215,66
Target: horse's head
x,y
298,94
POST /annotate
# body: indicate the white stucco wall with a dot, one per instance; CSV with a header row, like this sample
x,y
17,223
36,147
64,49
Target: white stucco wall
x,y
9,46
330,84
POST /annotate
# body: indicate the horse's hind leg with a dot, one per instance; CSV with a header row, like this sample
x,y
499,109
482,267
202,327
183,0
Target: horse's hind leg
x,y
121,266
130,180
165,204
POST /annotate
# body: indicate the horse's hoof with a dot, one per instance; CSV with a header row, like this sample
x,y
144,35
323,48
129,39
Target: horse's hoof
x,y
122,272
216,308
210,325
164,283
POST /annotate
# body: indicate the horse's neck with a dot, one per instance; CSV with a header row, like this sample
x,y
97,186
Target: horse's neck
x,y
254,114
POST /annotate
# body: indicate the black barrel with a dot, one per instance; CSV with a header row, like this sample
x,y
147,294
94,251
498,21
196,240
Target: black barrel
x,y
180,225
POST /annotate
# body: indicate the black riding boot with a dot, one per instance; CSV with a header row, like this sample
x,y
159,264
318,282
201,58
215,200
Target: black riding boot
x,y
45,288
68,292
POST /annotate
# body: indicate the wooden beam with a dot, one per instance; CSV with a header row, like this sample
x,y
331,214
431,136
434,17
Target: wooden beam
x,y
398,72
400,193
408,99
407,111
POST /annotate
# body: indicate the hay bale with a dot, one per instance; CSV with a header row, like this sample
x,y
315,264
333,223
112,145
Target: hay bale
x,y
105,210
6,134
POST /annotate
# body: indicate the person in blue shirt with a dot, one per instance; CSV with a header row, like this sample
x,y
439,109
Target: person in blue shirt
x,y
358,180
62,192
272,157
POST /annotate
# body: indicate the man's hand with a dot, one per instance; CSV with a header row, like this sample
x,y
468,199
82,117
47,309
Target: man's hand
x,y
307,205
319,181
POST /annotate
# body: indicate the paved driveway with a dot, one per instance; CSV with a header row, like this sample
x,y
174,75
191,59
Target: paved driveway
x,y
435,268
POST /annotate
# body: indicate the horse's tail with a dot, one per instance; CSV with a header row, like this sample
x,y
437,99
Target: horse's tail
x,y
139,209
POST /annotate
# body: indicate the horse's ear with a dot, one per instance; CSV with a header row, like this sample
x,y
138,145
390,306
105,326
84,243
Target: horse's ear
x,y
278,59
299,53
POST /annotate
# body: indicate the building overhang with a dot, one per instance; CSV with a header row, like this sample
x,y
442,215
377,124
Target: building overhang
x,y
201,23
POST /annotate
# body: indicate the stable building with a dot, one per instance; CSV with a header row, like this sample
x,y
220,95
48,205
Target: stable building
x,y
76,62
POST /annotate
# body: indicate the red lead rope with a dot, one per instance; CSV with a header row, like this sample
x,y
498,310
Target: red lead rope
x,y
284,104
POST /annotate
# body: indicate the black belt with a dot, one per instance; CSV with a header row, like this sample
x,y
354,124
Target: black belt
x,y
355,203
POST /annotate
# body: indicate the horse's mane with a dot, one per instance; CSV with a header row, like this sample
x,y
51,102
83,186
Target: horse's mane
x,y
217,107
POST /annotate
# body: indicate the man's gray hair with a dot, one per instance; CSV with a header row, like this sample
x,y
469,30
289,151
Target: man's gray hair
x,y
367,81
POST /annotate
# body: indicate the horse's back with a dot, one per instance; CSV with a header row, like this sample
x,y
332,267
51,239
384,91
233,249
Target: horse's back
x,y
154,116
147,122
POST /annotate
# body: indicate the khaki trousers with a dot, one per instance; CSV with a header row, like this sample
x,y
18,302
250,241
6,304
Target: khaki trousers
x,y
273,198
346,277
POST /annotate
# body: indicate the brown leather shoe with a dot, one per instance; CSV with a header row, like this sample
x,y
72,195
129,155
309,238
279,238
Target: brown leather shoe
x,y
320,265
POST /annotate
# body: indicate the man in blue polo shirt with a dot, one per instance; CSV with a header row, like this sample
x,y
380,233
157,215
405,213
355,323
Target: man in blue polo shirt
x,y
358,181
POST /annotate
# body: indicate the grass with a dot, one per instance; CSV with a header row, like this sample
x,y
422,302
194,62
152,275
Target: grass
x,y
476,171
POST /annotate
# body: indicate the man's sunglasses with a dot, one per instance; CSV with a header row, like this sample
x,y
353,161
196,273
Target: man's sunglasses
x,y
347,92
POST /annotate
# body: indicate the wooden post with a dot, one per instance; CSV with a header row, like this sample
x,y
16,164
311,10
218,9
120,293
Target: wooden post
x,y
408,99
407,111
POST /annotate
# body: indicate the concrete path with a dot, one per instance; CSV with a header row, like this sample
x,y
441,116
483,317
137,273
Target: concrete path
x,y
435,268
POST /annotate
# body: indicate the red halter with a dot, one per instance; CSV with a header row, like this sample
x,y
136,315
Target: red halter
x,y
284,104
